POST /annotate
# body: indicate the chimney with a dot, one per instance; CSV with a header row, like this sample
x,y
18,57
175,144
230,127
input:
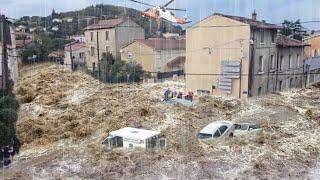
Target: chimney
x,y
96,20
254,15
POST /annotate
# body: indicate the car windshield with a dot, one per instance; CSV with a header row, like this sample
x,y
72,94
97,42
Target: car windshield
x,y
204,136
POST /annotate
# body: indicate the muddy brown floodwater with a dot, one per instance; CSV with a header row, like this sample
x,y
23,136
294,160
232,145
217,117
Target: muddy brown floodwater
x,y
64,117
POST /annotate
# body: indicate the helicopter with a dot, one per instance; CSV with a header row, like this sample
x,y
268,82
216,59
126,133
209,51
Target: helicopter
x,y
163,13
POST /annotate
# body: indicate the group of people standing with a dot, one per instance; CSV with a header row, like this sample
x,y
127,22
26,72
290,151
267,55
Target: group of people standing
x,y
168,95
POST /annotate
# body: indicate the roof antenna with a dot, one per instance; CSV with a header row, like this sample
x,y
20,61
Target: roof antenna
x,y
254,15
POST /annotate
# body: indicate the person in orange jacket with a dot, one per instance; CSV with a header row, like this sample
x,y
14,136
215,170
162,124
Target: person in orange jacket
x,y
190,95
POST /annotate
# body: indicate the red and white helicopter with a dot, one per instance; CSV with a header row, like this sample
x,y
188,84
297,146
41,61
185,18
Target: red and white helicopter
x,y
163,13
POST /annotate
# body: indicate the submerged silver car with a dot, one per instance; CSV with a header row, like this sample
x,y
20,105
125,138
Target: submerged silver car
x,y
217,129
244,128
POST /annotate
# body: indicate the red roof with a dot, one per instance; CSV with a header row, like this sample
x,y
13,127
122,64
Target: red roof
x,y
74,46
254,23
20,34
164,44
22,43
287,42
105,24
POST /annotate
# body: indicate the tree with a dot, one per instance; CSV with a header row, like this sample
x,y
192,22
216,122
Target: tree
x,y
9,102
293,29
54,14
8,116
6,134
134,71
116,71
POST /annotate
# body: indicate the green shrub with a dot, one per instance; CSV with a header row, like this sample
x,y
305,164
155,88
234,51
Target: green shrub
x,y
134,71
9,102
8,90
6,134
8,116
115,71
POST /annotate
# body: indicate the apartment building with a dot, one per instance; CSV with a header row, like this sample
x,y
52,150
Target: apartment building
x,y
237,56
109,36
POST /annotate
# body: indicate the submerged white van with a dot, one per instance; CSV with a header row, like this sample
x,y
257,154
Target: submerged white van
x,y
135,138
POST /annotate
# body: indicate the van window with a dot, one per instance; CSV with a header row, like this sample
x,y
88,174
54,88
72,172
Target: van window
x,y
152,143
162,143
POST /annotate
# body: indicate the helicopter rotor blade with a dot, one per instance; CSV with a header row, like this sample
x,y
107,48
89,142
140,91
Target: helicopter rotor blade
x,y
173,9
171,1
143,3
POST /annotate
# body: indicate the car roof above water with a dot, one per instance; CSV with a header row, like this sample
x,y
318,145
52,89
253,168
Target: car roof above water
x,y
212,127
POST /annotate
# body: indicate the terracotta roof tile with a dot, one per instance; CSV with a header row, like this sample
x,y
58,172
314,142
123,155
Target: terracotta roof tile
x,y
287,42
74,46
105,24
254,23
22,43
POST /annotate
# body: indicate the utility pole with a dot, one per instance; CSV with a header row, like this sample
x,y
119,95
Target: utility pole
x,y
70,47
98,51
241,59
3,51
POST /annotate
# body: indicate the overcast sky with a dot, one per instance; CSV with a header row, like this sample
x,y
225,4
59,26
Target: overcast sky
x,y
274,11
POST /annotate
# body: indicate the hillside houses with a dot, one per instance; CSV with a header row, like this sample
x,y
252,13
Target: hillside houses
x,y
241,57
77,51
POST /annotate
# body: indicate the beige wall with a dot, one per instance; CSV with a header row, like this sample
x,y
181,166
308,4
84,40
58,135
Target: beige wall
x,y
150,60
78,59
165,56
225,45
13,58
142,54
314,43
126,33
103,43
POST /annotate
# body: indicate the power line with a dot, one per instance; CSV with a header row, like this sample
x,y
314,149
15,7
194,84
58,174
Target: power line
x,y
274,73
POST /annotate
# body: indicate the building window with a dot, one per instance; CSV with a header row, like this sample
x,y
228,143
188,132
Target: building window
x,y
262,35
298,61
107,35
91,35
93,66
273,37
291,83
260,64
92,51
81,55
130,55
281,63
280,86
272,62
259,91
108,49
290,62
158,55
